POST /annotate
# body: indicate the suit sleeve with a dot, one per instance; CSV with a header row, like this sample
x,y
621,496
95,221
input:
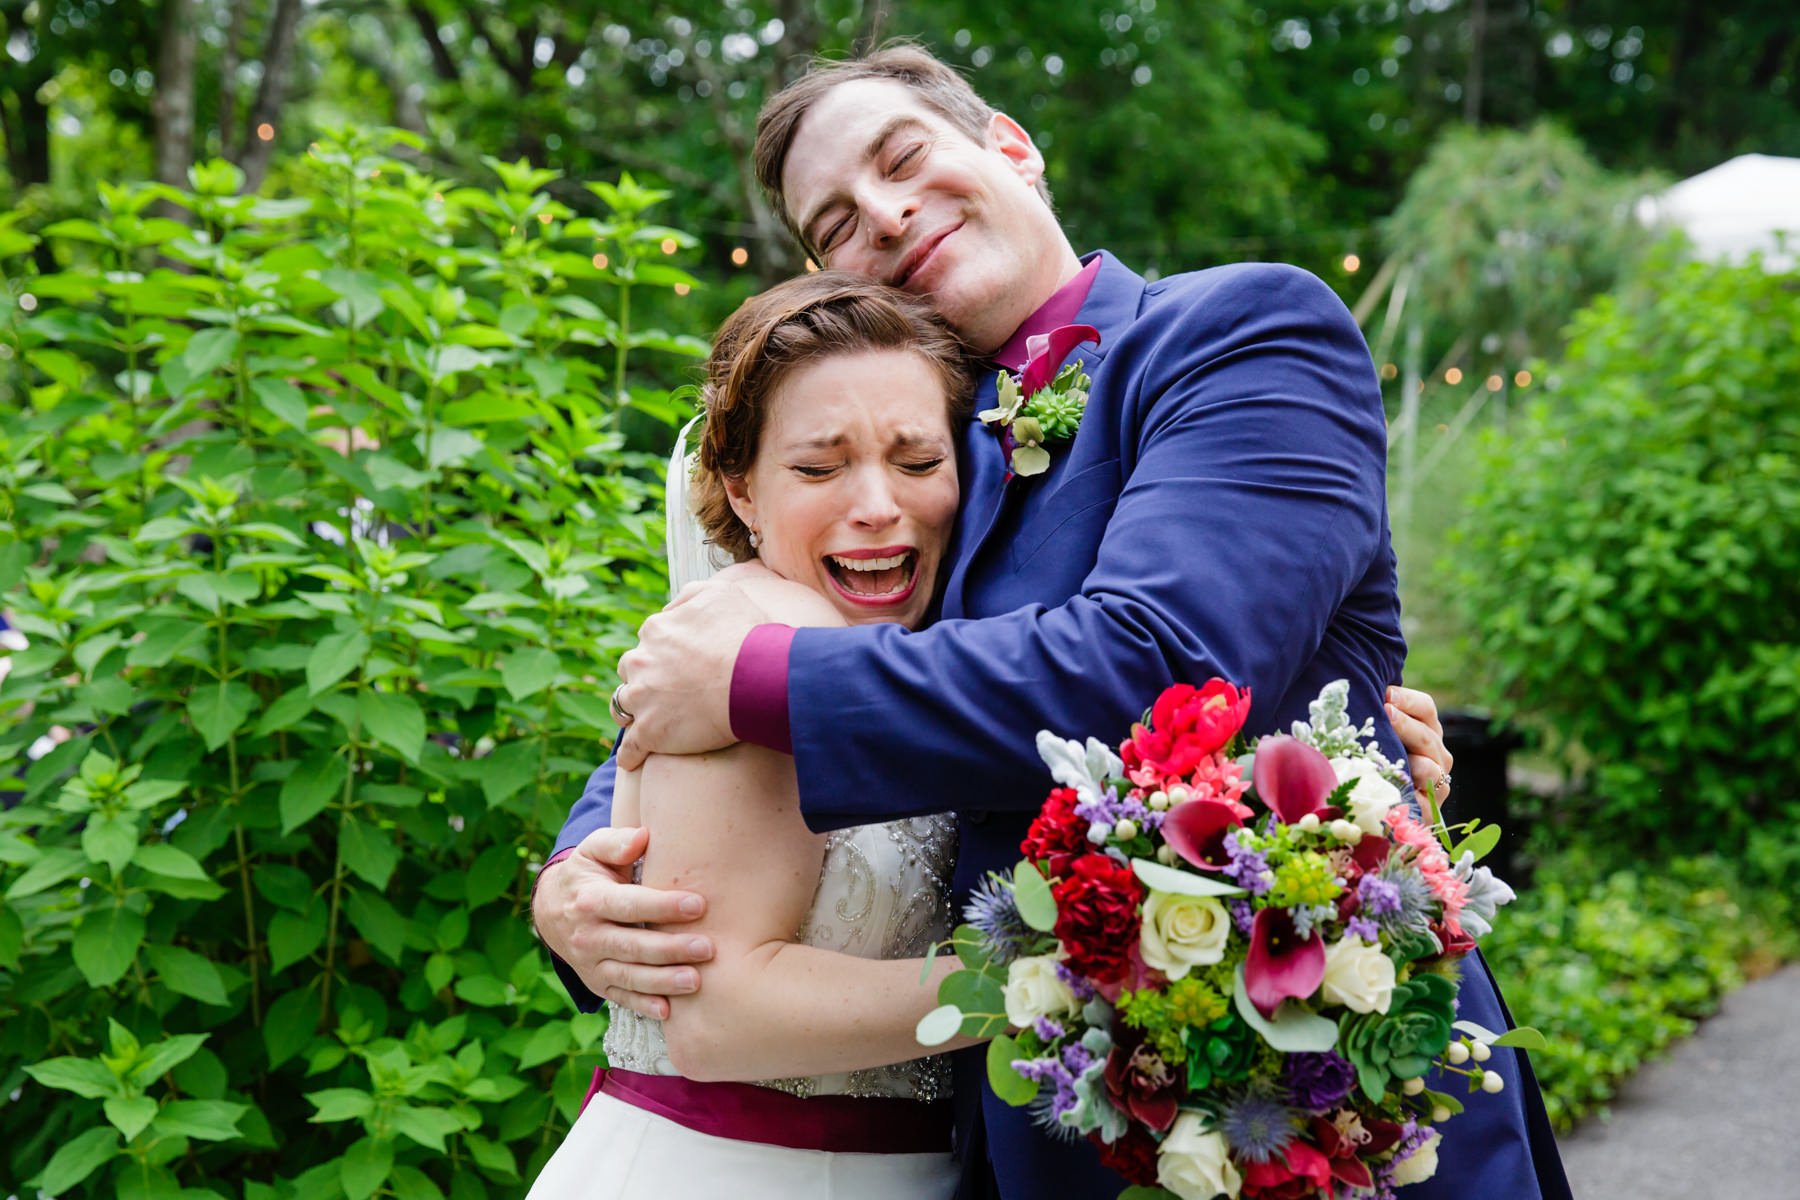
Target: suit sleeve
x,y
1253,503
591,812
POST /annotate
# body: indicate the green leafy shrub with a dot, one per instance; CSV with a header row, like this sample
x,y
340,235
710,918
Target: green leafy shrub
x,y
1614,961
1628,564
325,544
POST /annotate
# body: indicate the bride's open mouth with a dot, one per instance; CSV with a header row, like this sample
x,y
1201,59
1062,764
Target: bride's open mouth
x,y
874,577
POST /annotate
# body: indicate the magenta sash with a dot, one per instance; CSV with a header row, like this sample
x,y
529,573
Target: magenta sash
x,y
747,1112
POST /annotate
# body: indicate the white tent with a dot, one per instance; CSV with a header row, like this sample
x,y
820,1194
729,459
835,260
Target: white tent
x,y
1735,209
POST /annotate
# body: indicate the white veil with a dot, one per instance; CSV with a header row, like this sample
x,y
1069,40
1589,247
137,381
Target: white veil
x,y
691,557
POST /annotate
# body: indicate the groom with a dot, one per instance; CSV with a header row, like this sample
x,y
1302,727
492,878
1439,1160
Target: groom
x,y
1221,511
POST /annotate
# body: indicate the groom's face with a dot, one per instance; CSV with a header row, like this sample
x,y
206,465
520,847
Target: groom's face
x,y
882,185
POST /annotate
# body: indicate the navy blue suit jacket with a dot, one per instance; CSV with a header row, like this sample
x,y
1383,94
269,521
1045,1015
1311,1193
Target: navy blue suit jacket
x,y
1221,511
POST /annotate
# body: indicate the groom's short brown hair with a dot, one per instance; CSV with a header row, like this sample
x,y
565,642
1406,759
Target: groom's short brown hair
x,y
940,87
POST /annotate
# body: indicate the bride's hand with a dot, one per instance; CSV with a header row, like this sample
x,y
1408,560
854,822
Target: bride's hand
x,y
585,907
1415,718
677,682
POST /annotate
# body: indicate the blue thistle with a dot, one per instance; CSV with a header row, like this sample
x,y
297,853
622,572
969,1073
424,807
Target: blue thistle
x,y
1257,1125
1411,900
993,911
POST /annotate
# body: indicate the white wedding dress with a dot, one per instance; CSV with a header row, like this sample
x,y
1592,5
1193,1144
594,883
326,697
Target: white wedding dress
x,y
884,892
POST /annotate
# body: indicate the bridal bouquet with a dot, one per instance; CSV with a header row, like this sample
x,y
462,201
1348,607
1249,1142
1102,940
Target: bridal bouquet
x,y
1231,966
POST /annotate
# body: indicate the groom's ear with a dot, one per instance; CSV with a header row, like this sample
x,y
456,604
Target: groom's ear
x,y
1010,140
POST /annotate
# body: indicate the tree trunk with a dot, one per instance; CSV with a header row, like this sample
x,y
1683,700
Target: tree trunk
x,y
173,101
28,132
229,61
277,61
1477,40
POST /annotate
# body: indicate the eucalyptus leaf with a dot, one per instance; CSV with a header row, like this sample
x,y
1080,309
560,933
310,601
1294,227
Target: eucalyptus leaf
x,y
1037,906
1176,882
939,1025
1008,1084
1292,1029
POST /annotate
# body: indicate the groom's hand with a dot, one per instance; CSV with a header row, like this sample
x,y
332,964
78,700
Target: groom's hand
x,y
1415,718
677,687
585,907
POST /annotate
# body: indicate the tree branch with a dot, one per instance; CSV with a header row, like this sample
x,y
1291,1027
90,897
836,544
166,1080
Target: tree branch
x,y
441,60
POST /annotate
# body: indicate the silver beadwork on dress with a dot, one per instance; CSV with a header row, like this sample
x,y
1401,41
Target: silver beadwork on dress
x,y
884,892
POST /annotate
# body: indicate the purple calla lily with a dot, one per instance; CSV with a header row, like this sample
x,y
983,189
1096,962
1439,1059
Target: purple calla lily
x,y
1292,778
1197,830
1280,964
1044,354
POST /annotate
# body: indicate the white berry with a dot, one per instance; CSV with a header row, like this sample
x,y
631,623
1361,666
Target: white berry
x,y
1347,832
1481,1052
1309,823
1458,1054
1126,829
1159,800
1413,1087
1491,1082
1439,1115
1177,795
1165,854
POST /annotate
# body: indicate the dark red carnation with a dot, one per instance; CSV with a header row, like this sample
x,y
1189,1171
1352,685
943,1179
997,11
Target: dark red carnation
x,y
1304,1171
1133,1156
1057,836
1097,916
1186,725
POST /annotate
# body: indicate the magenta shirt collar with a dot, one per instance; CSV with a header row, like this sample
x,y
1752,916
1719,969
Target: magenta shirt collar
x,y
1059,310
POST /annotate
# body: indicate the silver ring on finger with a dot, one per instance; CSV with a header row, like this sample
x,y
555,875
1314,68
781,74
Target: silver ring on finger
x,y
1444,782
618,710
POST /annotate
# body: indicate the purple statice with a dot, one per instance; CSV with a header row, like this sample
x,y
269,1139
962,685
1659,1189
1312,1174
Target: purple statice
x,y
1317,1082
1103,806
1362,927
1249,869
1257,1125
1084,991
993,910
1379,896
1242,915
1047,1029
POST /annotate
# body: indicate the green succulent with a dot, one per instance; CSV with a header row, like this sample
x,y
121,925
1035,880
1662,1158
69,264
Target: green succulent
x,y
1220,1051
1058,408
1401,1042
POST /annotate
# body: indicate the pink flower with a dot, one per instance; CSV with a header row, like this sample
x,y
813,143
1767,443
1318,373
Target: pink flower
x,y
1279,964
1044,354
1187,725
1292,778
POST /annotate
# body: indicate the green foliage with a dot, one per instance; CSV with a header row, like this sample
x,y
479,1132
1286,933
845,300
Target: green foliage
x,y
1615,960
325,543
1511,232
1627,564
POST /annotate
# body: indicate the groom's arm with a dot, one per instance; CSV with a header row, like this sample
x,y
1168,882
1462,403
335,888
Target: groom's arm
x,y
1254,507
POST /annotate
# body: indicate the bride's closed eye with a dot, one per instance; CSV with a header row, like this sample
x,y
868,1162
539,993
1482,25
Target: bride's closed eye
x,y
922,468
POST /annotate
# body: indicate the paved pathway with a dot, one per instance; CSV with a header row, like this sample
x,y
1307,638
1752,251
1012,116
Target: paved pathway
x,y
1718,1119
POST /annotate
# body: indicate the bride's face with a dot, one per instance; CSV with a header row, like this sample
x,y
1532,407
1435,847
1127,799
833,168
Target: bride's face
x,y
854,486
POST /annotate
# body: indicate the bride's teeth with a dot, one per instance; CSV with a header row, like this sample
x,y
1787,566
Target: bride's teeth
x,y
868,564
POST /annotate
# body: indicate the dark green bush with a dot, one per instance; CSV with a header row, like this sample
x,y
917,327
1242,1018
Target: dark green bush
x,y
325,544
1629,564
1614,959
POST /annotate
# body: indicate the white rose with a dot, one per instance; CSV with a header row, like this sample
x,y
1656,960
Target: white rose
x,y
1032,990
1182,932
1358,976
1372,796
1194,1164
1421,1164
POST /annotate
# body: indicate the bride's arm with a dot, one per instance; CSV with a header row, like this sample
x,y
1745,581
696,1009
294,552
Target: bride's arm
x,y
728,826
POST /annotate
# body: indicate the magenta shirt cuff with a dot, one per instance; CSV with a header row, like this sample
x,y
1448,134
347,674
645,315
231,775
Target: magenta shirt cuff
x,y
759,689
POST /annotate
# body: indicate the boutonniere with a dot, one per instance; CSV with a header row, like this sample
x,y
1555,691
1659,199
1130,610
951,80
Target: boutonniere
x,y
1044,404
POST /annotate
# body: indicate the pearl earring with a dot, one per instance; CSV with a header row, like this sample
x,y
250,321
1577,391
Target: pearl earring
x,y
755,540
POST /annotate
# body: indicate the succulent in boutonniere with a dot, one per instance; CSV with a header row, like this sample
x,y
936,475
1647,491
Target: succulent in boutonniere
x,y
1044,404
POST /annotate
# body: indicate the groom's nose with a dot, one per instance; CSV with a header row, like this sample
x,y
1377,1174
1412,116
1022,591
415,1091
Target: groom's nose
x,y
886,215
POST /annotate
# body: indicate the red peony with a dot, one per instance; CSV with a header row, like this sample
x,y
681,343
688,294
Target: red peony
x,y
1133,1156
1057,836
1187,724
1303,1171
1097,916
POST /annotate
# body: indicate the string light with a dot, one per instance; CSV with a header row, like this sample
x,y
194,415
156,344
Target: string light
x,y
739,257
28,302
1495,383
682,289
1389,370
1352,263
1443,429
669,246
266,132
1522,379
600,262
543,218
1453,376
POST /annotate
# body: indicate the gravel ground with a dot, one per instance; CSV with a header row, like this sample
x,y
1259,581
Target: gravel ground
x,y
1718,1119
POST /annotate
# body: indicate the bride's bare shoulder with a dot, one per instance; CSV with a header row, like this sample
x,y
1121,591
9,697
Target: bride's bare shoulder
x,y
783,600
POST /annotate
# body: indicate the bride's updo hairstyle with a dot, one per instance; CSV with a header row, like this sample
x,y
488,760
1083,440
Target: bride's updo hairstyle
x,y
792,325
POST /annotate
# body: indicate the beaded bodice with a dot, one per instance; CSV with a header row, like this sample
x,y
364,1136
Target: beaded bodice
x,y
884,892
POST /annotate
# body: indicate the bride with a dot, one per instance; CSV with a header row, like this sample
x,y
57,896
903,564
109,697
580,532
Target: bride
x,y
827,469
828,457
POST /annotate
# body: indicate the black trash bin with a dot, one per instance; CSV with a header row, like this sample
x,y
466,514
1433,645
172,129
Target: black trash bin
x,y
1478,780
